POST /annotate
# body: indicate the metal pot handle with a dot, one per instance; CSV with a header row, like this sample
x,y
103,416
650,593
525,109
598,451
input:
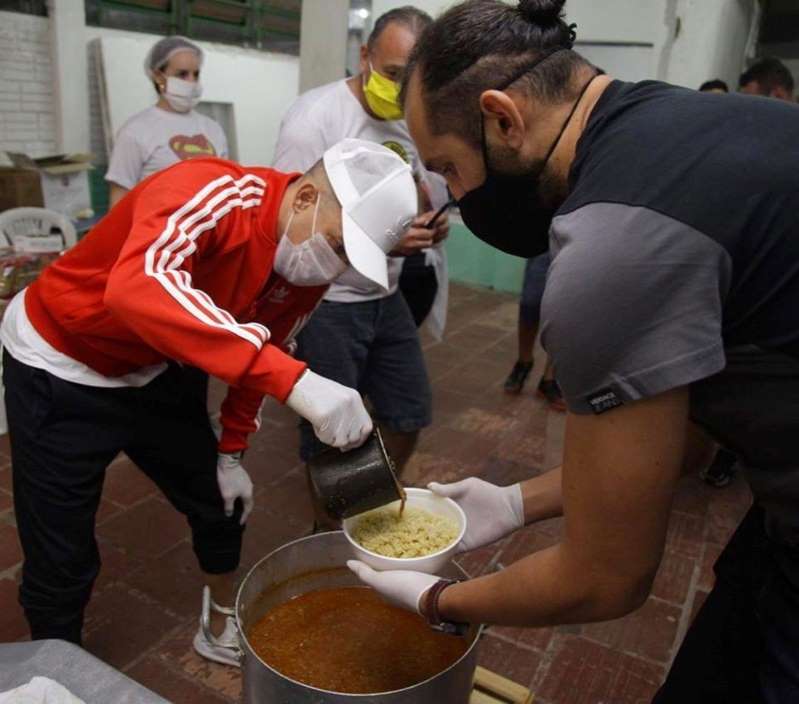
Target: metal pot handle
x,y
205,624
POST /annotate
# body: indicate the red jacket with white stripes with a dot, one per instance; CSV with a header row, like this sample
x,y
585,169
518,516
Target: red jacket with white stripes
x,y
181,269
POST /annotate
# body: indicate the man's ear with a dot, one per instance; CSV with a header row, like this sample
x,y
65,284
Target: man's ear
x,y
502,118
305,197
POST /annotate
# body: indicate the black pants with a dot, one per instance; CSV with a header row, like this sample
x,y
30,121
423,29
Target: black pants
x,y
195,382
743,647
63,436
419,286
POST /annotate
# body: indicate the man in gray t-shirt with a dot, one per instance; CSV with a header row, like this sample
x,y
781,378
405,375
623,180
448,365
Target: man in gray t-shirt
x,y
672,218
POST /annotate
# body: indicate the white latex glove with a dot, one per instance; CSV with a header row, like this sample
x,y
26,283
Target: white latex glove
x,y
402,588
492,512
234,483
336,412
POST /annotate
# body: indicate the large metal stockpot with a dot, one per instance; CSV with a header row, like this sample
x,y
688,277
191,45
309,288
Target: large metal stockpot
x,y
319,562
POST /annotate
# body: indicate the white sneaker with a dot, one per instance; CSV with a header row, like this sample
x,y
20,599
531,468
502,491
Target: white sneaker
x,y
223,648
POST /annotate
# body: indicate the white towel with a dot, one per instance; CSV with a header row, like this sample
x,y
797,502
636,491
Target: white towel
x,y
437,319
40,690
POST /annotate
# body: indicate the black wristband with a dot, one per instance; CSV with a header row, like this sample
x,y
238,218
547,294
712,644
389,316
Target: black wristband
x,y
433,615
430,604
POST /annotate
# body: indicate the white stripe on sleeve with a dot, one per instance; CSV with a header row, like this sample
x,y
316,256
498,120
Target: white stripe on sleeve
x,y
162,264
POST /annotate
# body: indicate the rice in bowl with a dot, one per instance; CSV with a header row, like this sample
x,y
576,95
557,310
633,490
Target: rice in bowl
x,y
417,533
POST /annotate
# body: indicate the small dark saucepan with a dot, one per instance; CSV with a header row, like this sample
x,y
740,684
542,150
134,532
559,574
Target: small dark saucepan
x,y
349,483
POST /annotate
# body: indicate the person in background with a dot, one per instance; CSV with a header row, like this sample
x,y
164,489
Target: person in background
x,y
363,334
714,86
171,130
768,77
209,264
535,278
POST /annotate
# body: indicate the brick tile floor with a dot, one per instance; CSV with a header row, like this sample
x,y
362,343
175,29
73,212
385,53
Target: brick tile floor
x,y
144,611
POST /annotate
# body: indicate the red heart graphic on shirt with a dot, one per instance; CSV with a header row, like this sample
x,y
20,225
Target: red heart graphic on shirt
x,y
191,147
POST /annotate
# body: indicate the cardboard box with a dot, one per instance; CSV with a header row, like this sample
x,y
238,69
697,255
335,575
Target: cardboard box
x,y
59,182
65,183
20,182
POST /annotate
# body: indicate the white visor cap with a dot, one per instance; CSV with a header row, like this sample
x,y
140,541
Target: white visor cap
x,y
378,198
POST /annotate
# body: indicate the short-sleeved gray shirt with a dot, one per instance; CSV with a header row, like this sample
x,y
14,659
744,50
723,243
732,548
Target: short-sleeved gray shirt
x,y
675,262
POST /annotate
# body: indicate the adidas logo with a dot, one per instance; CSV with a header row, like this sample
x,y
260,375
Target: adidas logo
x,y
279,295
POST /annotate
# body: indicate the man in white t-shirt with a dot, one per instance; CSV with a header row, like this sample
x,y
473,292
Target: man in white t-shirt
x,y
171,130
363,335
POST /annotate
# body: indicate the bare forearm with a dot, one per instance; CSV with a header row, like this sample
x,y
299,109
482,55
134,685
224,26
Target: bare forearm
x,y
117,193
543,496
543,589
620,474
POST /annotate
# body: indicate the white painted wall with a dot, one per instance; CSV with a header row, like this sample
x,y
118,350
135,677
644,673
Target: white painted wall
x,y
616,20
27,105
627,63
68,50
711,43
258,85
323,42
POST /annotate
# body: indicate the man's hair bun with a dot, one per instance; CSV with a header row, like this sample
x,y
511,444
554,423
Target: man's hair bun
x,y
541,12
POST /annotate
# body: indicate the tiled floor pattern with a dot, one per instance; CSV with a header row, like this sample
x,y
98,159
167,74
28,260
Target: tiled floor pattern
x,y
144,611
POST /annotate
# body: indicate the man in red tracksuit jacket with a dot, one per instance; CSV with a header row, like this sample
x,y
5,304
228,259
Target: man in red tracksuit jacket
x,y
208,264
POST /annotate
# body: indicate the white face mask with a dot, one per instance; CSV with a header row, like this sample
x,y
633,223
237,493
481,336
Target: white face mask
x,y
182,95
312,262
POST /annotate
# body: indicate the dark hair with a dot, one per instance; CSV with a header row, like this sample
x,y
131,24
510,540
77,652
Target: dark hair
x,y
483,44
715,84
770,74
413,18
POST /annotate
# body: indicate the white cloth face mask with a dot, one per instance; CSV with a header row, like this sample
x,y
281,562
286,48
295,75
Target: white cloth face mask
x,y
312,262
182,95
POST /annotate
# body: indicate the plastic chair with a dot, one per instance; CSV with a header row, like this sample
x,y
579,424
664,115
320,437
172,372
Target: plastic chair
x,y
20,227
33,230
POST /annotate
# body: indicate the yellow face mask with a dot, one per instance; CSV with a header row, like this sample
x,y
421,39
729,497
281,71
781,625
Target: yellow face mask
x,y
382,96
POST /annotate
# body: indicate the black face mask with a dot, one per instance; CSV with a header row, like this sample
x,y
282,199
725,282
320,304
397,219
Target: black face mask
x,y
506,211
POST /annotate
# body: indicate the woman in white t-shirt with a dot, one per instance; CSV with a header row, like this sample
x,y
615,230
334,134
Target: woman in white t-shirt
x,y
171,130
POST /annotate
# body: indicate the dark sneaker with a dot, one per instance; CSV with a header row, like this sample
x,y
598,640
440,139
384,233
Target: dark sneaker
x,y
517,378
549,390
721,470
